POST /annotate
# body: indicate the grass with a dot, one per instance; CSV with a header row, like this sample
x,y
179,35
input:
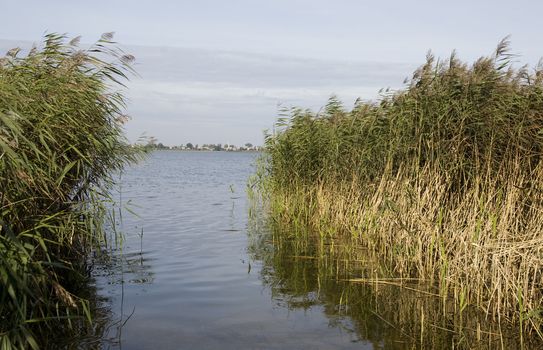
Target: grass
x,y
61,140
442,180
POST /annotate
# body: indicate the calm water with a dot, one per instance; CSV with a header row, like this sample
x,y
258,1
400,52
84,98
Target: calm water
x,y
189,280
197,272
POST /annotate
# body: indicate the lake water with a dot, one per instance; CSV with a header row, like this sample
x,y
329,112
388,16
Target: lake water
x,y
196,271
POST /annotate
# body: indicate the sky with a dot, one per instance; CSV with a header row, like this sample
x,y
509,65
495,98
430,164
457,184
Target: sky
x,y
215,71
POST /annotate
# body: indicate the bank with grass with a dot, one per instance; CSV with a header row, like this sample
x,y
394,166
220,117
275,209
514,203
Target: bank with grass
x,y
441,181
61,141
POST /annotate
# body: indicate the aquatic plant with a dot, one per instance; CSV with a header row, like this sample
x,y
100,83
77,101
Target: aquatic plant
x,y
442,179
61,141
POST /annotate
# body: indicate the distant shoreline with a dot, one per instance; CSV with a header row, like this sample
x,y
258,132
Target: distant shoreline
x,y
206,150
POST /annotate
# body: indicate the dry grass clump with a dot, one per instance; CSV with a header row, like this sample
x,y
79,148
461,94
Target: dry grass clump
x,y
61,137
444,180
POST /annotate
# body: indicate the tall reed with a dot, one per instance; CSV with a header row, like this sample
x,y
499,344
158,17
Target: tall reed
x,y
61,139
443,179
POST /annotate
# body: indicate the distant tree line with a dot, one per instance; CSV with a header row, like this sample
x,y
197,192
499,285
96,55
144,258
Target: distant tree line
x,y
152,143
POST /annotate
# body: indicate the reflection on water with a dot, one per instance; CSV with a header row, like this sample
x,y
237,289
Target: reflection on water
x,y
195,271
359,296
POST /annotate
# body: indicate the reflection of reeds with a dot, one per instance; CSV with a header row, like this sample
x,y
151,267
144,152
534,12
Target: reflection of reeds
x,y
61,137
359,296
441,181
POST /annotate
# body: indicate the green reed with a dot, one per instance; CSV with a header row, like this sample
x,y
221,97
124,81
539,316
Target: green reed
x,y
61,139
443,180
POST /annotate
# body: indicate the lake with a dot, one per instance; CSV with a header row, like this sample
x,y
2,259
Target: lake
x,y
196,271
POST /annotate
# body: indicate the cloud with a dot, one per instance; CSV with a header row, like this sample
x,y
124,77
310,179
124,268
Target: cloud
x,y
199,65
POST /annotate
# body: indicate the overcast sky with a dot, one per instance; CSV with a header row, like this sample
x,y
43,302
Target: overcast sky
x,y
215,71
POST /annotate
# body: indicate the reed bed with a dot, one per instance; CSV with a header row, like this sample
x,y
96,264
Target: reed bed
x,y
443,180
61,141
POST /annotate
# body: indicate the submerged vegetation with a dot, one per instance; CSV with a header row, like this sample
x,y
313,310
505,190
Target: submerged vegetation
x,y
442,182
61,140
